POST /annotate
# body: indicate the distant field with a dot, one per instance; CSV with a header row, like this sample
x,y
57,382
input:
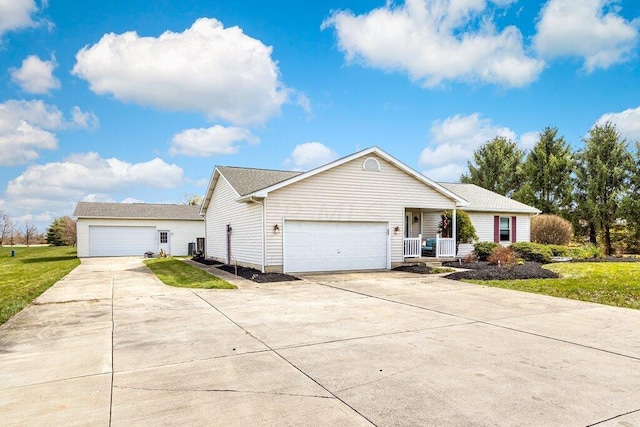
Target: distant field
x,y
34,270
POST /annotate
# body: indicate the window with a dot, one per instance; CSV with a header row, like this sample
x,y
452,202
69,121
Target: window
x,y
164,237
371,164
505,230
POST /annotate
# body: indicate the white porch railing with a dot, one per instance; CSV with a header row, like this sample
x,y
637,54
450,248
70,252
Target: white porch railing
x,y
413,247
445,247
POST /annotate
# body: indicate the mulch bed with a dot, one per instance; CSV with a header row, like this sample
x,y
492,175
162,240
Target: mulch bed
x,y
419,269
484,271
205,261
256,275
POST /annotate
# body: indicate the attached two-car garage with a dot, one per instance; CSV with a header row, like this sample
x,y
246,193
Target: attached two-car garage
x,y
121,241
335,246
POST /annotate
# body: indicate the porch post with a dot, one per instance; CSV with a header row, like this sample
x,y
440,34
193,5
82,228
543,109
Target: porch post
x,y
454,231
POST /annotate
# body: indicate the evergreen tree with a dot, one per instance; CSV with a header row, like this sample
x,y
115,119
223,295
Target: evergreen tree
x,y
602,179
547,174
497,166
62,232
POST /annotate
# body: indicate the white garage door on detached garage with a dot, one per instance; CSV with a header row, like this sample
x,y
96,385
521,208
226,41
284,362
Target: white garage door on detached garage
x,y
121,241
313,246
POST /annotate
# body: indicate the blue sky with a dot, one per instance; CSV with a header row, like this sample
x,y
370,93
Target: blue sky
x,y
138,101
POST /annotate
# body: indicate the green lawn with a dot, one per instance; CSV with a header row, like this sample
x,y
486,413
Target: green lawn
x,y
611,283
24,277
173,272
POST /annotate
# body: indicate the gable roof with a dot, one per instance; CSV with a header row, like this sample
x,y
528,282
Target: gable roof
x,y
297,176
248,180
136,211
481,199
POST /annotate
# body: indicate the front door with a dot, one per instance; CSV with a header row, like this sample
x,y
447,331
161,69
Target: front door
x,y
164,242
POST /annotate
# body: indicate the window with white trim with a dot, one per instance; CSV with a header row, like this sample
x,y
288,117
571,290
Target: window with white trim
x,y
505,229
164,237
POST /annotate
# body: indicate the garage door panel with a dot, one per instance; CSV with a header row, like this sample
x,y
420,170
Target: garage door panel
x,y
121,241
334,246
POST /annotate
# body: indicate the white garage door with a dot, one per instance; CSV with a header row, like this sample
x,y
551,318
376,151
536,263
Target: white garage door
x,y
122,241
334,246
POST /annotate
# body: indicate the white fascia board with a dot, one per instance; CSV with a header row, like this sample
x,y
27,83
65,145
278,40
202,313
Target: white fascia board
x,y
263,193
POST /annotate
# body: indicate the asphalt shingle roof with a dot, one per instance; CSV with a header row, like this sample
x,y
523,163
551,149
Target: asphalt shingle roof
x,y
481,199
248,180
136,210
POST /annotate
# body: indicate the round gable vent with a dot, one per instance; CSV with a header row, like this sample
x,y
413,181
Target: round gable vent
x,y
371,164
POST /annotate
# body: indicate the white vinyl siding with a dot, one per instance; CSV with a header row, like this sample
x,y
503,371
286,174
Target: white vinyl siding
x,y
349,193
182,232
430,222
246,223
483,223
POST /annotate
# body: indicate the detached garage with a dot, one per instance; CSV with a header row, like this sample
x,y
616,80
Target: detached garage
x,y
131,229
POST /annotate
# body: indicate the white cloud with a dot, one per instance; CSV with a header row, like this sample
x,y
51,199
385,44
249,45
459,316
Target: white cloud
x,y
627,122
86,176
26,127
36,75
435,41
132,200
219,72
453,141
529,139
210,141
16,14
83,119
310,155
590,29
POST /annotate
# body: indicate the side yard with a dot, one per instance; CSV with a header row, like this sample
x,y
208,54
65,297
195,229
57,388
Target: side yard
x,y
611,283
31,272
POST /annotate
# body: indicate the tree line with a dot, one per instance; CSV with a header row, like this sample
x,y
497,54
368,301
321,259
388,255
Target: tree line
x,y
597,187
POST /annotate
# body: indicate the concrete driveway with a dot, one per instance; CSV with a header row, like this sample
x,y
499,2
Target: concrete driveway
x,y
110,344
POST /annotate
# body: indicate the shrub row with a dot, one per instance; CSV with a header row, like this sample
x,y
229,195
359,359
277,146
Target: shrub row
x,y
537,252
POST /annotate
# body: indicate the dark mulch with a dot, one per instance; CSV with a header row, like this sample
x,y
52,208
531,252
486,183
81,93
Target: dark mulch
x,y
419,269
256,275
484,271
479,265
205,261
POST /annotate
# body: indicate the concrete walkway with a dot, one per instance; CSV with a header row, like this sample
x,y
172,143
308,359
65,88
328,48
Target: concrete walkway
x,y
110,345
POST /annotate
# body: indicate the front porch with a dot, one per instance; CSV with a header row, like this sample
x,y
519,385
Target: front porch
x,y
422,237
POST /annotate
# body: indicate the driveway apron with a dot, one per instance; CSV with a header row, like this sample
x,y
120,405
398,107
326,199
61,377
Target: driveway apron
x,y
111,345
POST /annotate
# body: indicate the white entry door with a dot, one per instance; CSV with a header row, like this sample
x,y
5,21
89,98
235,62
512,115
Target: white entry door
x,y
311,246
164,241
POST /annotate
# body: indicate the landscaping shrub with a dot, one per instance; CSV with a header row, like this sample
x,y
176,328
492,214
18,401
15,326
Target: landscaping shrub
x,y
533,251
551,230
563,251
484,249
502,256
471,257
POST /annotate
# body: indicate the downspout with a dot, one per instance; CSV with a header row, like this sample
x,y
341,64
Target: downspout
x,y
264,232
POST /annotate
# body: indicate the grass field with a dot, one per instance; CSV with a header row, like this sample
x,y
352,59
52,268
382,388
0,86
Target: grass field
x,y
174,272
611,283
24,277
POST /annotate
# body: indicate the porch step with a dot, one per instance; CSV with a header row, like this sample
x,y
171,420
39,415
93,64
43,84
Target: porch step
x,y
432,264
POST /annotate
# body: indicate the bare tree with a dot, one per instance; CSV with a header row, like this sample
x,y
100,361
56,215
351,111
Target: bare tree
x,y
6,227
30,232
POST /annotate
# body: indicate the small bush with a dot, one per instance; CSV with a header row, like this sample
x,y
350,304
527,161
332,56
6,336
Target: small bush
x,y
551,230
484,249
533,251
502,256
562,251
471,257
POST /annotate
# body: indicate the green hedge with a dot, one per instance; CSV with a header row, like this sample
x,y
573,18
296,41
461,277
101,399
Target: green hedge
x,y
484,249
533,251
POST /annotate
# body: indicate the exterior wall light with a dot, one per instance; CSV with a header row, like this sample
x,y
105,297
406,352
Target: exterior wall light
x,y
276,229
396,230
